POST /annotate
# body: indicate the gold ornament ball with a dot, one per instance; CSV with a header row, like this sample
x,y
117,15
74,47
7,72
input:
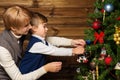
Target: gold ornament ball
x,y
117,42
117,34
118,38
115,39
114,35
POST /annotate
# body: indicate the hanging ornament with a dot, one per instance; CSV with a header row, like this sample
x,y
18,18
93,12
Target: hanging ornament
x,y
78,70
117,67
88,42
97,72
85,60
99,37
96,10
118,18
103,52
93,75
102,10
96,24
108,7
82,59
92,65
108,60
104,16
117,35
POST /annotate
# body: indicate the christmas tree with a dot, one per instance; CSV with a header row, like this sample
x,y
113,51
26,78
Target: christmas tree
x,y
101,60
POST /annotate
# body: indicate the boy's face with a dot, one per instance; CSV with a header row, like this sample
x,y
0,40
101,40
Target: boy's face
x,y
41,30
22,30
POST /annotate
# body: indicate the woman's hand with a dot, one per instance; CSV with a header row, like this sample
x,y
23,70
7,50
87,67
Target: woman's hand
x,y
53,67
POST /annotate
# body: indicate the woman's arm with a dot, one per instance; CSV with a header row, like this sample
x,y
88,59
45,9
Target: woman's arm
x,y
11,68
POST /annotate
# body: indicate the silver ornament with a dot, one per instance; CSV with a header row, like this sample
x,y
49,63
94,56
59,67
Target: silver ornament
x,y
108,7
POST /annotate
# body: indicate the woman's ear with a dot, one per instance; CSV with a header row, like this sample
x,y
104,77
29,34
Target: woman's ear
x,y
13,29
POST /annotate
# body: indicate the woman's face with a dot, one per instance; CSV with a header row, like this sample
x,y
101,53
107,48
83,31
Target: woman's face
x,y
22,30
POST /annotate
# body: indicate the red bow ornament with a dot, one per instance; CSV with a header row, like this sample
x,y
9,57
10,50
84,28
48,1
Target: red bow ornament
x,y
99,37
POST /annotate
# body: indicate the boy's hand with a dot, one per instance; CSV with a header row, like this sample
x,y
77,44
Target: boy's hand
x,y
78,42
78,50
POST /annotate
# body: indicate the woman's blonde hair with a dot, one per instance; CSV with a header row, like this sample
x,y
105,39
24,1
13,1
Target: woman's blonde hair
x,y
16,16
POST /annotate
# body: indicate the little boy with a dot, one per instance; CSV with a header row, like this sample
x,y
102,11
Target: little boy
x,y
38,48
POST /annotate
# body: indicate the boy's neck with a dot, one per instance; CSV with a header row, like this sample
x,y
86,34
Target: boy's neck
x,y
39,36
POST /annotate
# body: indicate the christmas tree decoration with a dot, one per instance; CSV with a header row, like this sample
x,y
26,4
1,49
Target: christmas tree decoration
x,y
82,59
102,0
96,10
96,24
78,70
102,10
109,7
108,60
117,35
118,18
97,72
92,65
117,67
93,75
99,37
103,52
88,42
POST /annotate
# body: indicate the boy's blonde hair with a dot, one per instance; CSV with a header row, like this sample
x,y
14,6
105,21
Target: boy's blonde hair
x,y
16,16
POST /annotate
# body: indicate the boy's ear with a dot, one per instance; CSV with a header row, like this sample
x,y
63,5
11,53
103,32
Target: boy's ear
x,y
34,28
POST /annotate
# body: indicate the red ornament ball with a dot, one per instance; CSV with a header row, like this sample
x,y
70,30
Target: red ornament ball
x,y
118,18
108,60
96,24
85,61
102,10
